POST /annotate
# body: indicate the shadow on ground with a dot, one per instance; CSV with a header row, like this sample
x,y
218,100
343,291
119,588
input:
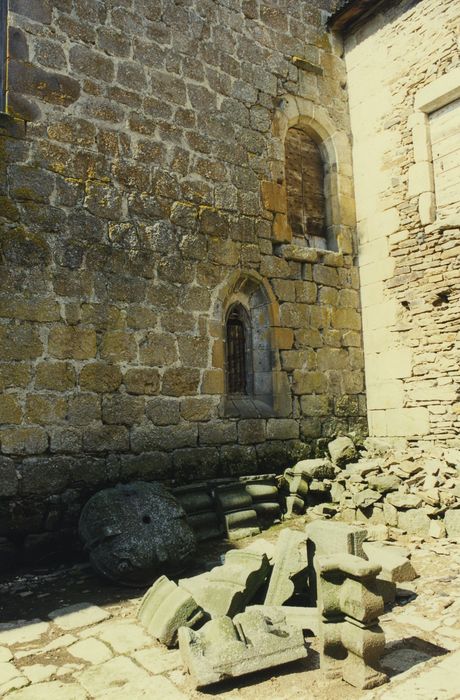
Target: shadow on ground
x,y
407,653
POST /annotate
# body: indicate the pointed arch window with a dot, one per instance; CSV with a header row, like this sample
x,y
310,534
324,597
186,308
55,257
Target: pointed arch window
x,y
238,350
3,52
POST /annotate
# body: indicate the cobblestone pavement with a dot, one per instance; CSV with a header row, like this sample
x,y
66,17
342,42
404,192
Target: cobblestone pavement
x,y
96,649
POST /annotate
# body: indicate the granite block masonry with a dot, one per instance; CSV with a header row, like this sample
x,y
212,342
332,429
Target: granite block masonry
x,y
146,197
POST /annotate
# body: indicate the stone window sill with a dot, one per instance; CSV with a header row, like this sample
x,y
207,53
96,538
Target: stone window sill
x,y
298,253
245,407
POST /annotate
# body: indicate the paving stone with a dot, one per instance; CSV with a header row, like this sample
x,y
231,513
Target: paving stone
x,y
21,631
37,673
401,660
92,650
439,682
8,671
69,668
5,655
158,660
120,673
419,621
79,615
53,690
13,684
124,637
58,643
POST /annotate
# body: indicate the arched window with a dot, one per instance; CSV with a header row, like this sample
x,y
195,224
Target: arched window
x,y
239,355
305,187
251,380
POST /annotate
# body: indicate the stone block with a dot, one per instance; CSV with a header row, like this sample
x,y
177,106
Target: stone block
x,y
45,409
24,440
273,197
346,587
106,438
20,342
142,380
315,405
10,409
290,568
415,521
118,346
309,382
122,409
307,619
395,568
197,409
55,376
282,429
251,431
180,382
220,433
146,437
342,450
163,411
452,523
83,409
320,468
72,342
165,608
240,524
79,615
421,178
158,349
100,377
294,505
227,589
224,648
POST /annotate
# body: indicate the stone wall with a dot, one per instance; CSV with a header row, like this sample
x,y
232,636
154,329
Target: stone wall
x,y
402,67
142,190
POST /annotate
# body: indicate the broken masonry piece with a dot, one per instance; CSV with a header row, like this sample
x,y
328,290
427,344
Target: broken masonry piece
x,y
226,648
136,532
166,607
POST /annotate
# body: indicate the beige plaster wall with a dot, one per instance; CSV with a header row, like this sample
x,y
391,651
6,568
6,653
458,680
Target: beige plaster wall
x,y
402,66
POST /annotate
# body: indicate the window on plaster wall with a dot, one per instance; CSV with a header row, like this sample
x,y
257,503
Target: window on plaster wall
x,y
306,191
445,145
3,52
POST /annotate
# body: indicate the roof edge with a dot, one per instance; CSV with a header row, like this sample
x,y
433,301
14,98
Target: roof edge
x,y
350,11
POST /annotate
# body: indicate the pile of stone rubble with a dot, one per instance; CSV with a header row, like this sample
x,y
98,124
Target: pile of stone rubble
x,y
415,491
252,611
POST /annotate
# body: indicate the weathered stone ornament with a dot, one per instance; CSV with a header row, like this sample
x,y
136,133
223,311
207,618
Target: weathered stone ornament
x,y
166,607
136,532
226,648
352,642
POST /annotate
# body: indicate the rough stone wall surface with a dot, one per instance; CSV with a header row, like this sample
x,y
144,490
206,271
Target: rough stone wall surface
x,y
409,252
137,138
